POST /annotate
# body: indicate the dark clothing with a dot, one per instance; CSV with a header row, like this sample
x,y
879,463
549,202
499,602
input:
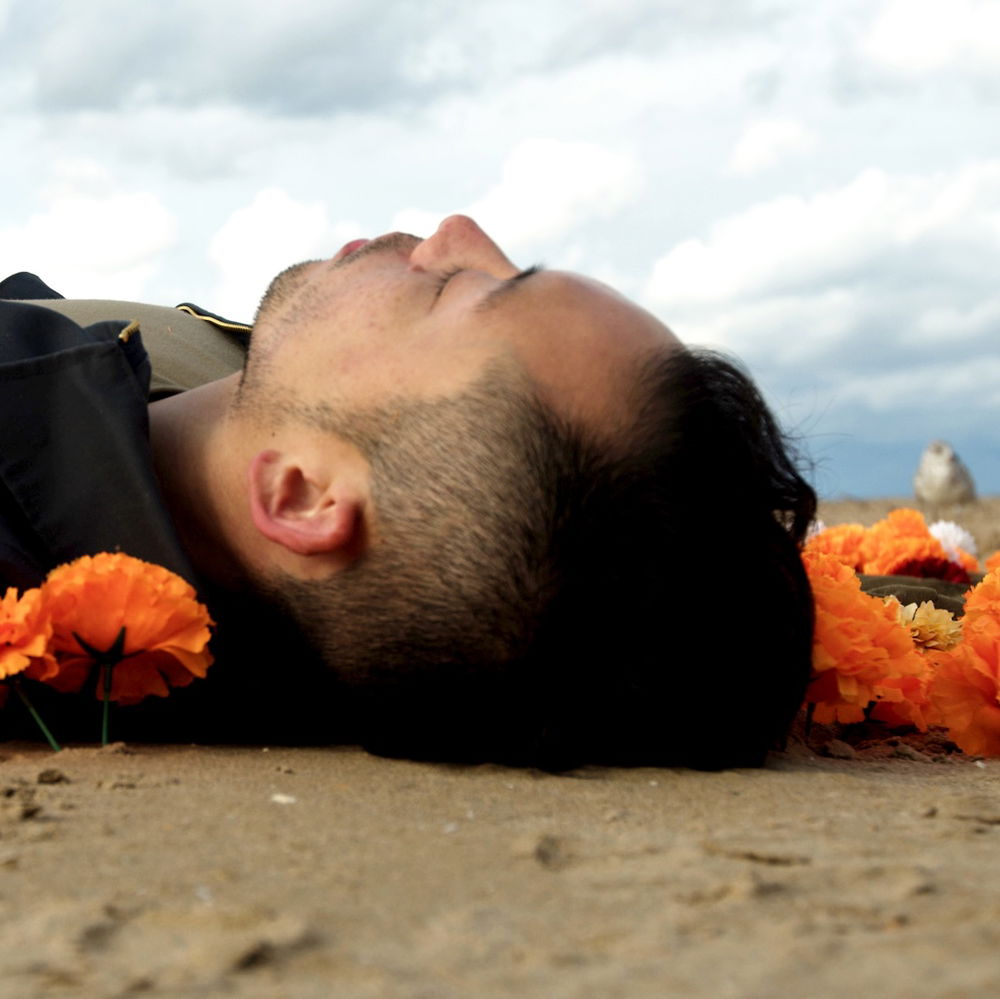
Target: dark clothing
x,y
76,473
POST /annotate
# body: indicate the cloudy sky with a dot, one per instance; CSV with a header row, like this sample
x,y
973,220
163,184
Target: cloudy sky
x,y
813,186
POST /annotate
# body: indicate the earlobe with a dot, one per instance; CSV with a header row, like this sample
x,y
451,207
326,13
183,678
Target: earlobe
x,y
295,511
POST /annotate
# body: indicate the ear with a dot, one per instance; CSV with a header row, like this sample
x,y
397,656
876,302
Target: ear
x,y
299,512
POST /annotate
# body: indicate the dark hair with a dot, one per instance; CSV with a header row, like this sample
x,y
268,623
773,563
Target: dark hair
x,y
539,596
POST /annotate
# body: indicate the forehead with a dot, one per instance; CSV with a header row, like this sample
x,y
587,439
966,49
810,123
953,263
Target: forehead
x,y
580,341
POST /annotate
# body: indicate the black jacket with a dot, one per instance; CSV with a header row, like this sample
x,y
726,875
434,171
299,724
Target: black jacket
x,y
76,473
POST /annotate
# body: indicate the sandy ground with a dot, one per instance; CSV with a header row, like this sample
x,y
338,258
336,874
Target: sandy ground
x,y
191,871
203,871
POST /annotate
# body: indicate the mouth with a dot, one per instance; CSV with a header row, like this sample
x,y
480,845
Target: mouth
x,y
348,248
393,242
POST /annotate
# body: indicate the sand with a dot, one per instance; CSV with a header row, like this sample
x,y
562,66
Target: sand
x,y
145,870
181,871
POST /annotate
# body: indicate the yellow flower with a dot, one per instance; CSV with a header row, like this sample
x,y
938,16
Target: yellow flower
x,y
929,627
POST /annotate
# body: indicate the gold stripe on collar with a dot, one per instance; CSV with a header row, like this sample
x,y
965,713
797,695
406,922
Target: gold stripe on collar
x,y
214,320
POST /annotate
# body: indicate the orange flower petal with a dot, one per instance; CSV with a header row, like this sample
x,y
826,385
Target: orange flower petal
x,y
902,537
965,686
25,632
861,651
166,628
843,541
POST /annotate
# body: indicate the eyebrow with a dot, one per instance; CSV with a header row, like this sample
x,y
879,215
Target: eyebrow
x,y
492,298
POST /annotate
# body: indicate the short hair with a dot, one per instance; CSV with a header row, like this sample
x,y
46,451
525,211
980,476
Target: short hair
x,y
540,596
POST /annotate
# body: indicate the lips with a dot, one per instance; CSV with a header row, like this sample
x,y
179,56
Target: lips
x,y
348,248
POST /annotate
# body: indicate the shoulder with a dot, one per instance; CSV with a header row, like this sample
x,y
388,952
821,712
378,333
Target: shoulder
x,y
186,348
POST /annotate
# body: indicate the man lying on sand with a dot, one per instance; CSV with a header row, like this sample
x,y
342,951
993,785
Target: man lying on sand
x,y
516,517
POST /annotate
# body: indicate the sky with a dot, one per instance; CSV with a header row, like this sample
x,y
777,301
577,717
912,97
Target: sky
x,y
811,186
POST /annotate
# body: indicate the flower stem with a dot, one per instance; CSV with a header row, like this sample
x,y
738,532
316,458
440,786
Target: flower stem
x,y
16,684
108,667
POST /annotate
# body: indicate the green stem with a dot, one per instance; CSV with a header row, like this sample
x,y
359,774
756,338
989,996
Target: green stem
x,y
106,661
107,702
16,684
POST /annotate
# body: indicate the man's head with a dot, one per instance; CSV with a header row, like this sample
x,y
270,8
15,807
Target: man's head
x,y
509,507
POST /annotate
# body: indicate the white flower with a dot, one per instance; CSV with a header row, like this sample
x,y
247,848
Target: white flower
x,y
953,537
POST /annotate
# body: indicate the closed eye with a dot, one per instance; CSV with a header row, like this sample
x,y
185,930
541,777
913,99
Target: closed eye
x,y
443,280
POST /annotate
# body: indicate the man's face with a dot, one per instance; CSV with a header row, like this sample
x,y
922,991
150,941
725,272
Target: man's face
x,y
403,317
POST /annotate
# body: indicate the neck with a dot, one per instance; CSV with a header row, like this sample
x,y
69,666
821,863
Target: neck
x,y
200,466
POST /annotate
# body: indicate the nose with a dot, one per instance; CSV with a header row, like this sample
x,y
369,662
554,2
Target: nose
x,y
459,244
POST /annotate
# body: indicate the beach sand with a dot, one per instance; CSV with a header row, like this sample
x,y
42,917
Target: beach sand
x,y
265,871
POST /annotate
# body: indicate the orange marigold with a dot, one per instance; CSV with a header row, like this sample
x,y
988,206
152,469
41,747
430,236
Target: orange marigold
x,y
843,541
993,562
965,686
166,630
860,649
905,700
983,600
25,632
965,692
901,539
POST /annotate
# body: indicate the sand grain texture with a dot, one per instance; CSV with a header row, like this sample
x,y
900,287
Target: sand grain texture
x,y
317,872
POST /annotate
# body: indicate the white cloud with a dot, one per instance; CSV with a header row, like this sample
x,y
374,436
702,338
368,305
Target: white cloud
x,y
90,242
928,386
946,324
783,243
782,330
764,143
760,273
261,239
913,37
547,188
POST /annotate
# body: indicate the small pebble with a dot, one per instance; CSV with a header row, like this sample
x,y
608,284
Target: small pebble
x,y
839,750
52,776
284,799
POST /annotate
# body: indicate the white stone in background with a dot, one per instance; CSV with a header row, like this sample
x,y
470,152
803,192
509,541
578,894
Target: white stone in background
x,y
942,478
